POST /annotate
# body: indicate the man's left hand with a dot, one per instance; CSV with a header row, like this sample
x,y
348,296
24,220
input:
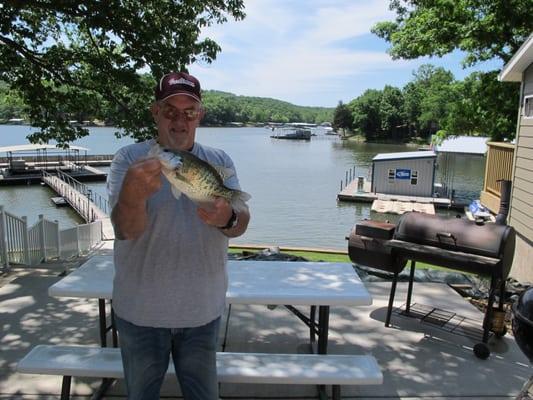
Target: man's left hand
x,y
218,215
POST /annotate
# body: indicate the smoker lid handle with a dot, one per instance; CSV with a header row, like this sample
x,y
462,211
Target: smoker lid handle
x,y
447,235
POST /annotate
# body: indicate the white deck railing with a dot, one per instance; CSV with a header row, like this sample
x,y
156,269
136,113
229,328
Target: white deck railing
x,y
20,244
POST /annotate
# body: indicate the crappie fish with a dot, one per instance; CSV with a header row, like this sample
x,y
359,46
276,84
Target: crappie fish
x,y
198,180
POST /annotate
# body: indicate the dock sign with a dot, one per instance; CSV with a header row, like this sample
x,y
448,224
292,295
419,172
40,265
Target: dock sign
x,y
403,174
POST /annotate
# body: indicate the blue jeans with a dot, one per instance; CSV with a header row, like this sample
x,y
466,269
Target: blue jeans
x,y
146,353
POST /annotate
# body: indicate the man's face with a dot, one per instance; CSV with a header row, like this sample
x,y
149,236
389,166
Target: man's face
x,y
177,119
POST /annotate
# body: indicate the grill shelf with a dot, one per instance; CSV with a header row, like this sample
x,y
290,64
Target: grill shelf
x,y
442,319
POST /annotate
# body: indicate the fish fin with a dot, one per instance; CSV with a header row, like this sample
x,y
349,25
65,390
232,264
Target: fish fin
x,y
169,159
239,199
175,191
224,172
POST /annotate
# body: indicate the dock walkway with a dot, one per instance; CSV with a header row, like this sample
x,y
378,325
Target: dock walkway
x,y
80,202
351,193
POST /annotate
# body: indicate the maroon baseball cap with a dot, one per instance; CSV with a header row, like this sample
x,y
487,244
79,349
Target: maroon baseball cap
x,y
175,83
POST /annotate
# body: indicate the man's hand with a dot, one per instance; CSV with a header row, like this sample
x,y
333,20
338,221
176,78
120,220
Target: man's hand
x,y
129,214
141,181
218,215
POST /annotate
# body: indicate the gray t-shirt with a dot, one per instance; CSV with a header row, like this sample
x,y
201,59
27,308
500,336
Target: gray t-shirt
x,y
174,275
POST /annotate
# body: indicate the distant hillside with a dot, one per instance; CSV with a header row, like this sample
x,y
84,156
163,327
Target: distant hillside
x,y
223,107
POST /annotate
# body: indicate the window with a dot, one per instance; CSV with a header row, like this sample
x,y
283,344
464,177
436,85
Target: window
x,y
414,177
392,175
528,106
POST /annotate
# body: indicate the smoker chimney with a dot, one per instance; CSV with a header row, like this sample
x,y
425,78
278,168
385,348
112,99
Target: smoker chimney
x,y
505,200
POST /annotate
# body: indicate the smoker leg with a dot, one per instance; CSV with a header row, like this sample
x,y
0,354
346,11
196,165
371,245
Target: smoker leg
x,y
410,288
487,321
502,294
391,298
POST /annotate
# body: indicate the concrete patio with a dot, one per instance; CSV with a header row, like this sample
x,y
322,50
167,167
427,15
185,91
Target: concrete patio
x,y
419,361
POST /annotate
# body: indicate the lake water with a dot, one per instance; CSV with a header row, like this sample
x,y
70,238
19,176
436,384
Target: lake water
x,y
293,183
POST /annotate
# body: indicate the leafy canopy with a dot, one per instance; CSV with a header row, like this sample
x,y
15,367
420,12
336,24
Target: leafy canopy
x,y
68,58
483,29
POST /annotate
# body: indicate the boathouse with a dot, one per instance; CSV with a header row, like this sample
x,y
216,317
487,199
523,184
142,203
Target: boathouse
x,y
405,173
520,69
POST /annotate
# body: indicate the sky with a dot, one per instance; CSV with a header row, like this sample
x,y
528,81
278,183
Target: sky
x,y
311,52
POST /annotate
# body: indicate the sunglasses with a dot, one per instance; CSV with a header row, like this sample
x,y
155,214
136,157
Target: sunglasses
x,y
173,114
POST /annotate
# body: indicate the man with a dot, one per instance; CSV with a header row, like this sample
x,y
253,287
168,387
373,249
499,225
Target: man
x,y
170,256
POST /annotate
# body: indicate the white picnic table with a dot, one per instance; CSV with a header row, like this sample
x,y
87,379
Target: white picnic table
x,y
287,283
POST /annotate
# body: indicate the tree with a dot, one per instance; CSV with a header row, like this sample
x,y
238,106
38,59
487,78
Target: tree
x,y
484,106
391,112
67,57
436,88
366,114
483,29
342,117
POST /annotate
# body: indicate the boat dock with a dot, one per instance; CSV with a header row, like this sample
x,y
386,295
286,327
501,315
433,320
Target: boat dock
x,y
25,164
355,192
90,206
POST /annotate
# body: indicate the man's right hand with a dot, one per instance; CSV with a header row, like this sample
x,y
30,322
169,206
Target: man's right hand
x,y
141,181
129,217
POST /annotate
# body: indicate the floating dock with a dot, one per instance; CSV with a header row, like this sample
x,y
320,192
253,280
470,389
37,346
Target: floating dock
x,y
401,207
25,164
357,193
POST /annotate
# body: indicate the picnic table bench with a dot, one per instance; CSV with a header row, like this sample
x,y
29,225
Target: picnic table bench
x,y
289,284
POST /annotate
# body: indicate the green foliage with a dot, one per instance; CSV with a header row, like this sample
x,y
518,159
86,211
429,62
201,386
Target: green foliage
x,y
223,108
436,92
342,117
366,114
11,105
484,30
80,58
484,106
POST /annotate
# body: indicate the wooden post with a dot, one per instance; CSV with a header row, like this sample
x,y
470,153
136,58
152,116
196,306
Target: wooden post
x,y
3,237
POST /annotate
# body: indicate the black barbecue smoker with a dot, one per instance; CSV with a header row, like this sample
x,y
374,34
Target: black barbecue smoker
x,y
485,249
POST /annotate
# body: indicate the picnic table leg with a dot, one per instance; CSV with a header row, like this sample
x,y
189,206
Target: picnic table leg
x,y
113,328
65,388
323,330
312,325
336,392
102,322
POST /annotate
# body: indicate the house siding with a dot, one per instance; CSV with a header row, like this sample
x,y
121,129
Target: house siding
x,y
424,187
521,213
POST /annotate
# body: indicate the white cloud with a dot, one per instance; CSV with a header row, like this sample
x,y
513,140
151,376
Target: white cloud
x,y
312,52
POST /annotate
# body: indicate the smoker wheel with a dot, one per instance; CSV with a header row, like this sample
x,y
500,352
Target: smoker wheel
x,y
481,350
